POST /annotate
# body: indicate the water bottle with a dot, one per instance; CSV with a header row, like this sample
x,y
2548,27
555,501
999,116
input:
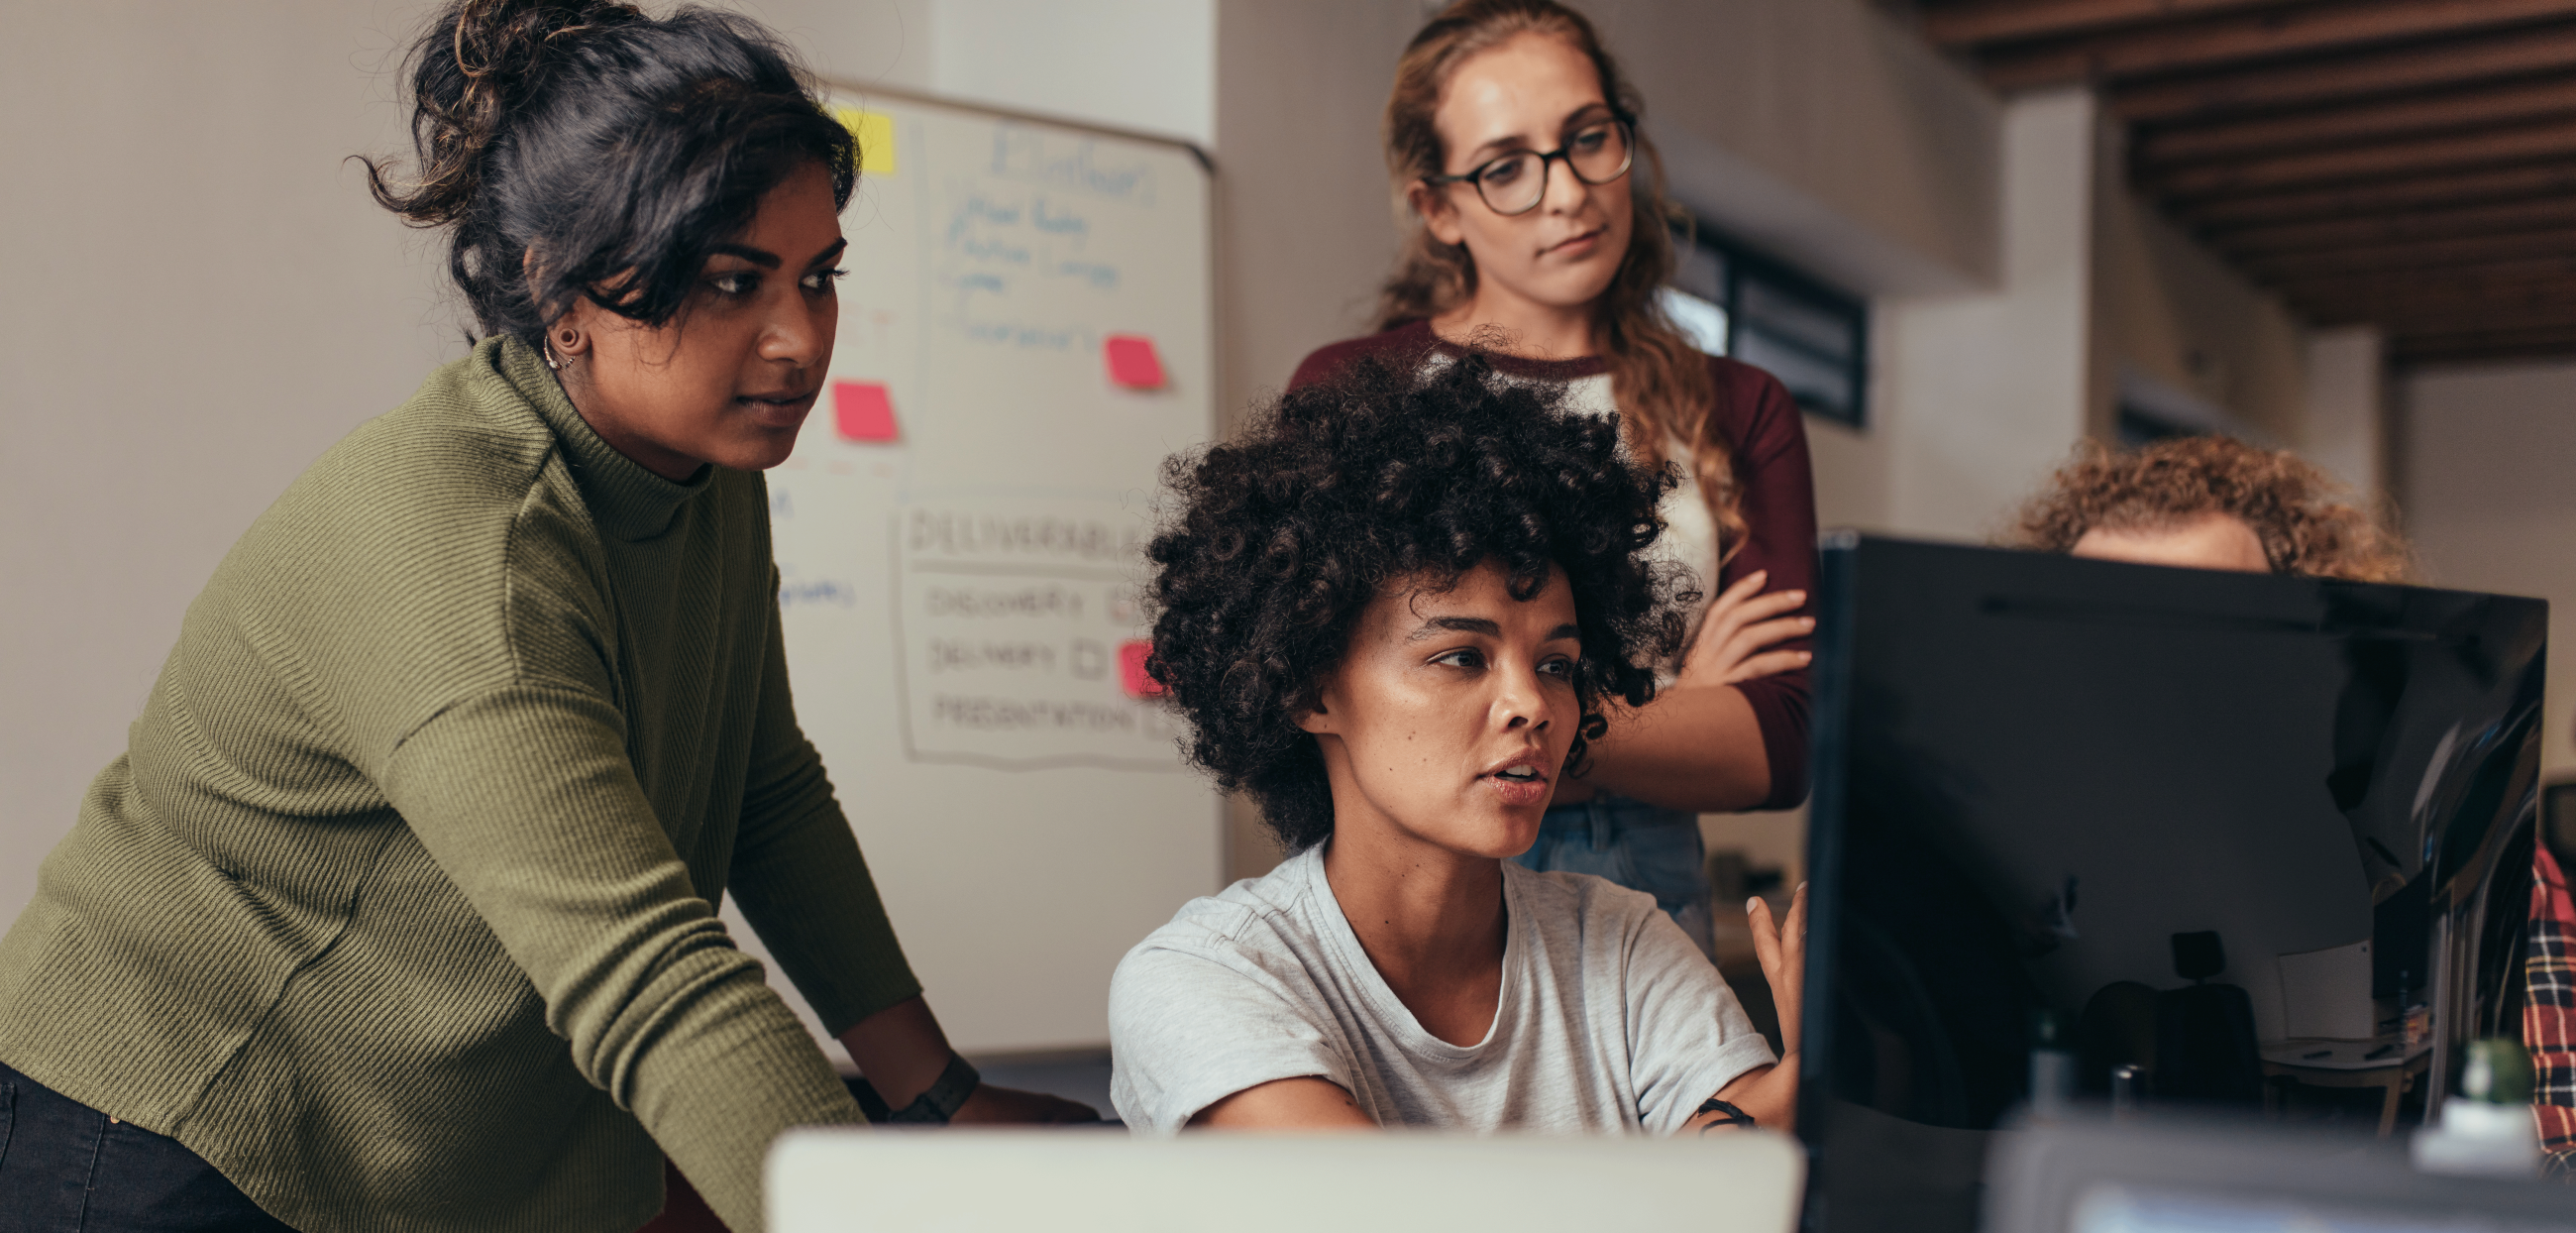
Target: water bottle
x,y
2486,1130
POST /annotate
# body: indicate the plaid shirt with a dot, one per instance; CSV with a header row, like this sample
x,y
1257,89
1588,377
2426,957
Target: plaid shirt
x,y
2549,1015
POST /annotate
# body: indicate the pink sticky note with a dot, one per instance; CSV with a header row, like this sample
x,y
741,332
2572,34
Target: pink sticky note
x,y
1132,362
1132,675
861,411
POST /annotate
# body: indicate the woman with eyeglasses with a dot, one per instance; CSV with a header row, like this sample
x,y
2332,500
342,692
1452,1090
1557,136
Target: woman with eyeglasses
x,y
1539,232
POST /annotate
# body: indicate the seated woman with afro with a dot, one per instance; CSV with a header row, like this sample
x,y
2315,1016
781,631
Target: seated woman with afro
x,y
1394,610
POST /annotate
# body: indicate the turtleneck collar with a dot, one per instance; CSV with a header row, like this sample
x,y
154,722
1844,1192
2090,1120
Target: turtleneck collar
x,y
628,501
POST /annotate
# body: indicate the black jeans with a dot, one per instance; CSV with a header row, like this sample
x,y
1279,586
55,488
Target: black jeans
x,y
68,1168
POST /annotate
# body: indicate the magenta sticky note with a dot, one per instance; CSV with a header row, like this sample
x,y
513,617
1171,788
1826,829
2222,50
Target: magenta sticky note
x,y
1132,362
861,411
1132,675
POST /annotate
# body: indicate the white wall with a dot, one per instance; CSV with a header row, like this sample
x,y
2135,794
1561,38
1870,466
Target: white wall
x,y
1148,65
1979,395
857,42
1822,131
2347,408
2484,486
1143,65
201,298
1305,220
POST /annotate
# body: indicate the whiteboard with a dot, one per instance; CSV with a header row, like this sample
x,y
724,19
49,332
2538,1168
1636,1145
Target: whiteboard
x,y
957,586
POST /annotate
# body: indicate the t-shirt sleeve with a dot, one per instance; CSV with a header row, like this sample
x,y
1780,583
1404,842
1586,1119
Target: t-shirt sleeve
x,y
1776,491
1192,1022
1690,1036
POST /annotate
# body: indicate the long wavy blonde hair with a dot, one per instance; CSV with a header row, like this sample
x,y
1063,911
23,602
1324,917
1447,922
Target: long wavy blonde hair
x,y
1658,379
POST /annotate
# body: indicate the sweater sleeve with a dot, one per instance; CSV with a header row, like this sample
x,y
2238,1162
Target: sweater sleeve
x,y
1777,493
525,797
798,873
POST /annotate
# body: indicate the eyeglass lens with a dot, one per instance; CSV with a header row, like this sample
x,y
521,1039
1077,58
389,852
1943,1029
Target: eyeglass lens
x,y
1514,183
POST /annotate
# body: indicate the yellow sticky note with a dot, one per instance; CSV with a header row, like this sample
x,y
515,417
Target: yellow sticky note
x,y
875,133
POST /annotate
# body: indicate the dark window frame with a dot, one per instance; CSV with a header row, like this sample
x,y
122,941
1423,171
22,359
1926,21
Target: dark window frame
x,y
1737,260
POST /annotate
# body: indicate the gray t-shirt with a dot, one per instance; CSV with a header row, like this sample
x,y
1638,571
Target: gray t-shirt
x,y
1610,1020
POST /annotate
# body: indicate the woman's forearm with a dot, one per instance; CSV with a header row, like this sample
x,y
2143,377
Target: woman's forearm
x,y
900,1049
1695,747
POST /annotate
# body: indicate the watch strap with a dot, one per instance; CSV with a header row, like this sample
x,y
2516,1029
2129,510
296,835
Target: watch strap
x,y
939,1102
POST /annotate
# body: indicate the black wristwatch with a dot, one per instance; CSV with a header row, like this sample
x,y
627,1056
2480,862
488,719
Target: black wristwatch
x,y
933,1107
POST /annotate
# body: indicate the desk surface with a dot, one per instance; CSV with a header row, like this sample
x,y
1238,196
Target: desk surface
x,y
2343,1054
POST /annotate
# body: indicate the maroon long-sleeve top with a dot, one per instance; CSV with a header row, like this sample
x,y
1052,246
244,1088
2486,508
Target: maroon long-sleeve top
x,y
1775,491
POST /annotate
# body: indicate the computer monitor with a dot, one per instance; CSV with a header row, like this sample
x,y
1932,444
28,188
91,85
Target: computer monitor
x,y
2221,830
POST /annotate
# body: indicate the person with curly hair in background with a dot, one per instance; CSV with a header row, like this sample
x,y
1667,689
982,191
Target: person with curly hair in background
x,y
2218,503
398,912
1537,229
2208,503
1398,610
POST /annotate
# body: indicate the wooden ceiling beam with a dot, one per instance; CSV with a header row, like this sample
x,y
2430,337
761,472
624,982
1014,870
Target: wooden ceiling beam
x,y
2392,312
2426,312
2446,340
2424,305
2377,231
2225,40
2220,216
2453,325
2413,361
2350,300
2415,67
2501,287
2472,348
1961,25
2451,335
2405,319
2381,298
2529,143
2520,101
2432,255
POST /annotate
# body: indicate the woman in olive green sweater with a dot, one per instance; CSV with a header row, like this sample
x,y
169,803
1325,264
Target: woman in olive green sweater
x,y
399,910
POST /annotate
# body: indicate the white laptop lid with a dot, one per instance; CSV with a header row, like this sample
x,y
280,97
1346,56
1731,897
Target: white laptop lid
x,y
831,1181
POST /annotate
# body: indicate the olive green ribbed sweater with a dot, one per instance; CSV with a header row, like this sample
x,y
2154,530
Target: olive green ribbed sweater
x,y
398,908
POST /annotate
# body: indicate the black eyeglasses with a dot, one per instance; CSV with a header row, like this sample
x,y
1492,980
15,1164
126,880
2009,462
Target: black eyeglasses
x,y
1597,153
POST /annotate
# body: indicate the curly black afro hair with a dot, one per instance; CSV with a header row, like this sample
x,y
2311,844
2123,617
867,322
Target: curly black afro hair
x,y
1273,541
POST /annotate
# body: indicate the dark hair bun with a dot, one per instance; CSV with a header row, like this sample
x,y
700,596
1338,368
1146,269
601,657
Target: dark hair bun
x,y
614,147
493,50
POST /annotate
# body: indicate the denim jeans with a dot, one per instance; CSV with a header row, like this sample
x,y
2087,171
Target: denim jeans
x,y
1637,845
68,1168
